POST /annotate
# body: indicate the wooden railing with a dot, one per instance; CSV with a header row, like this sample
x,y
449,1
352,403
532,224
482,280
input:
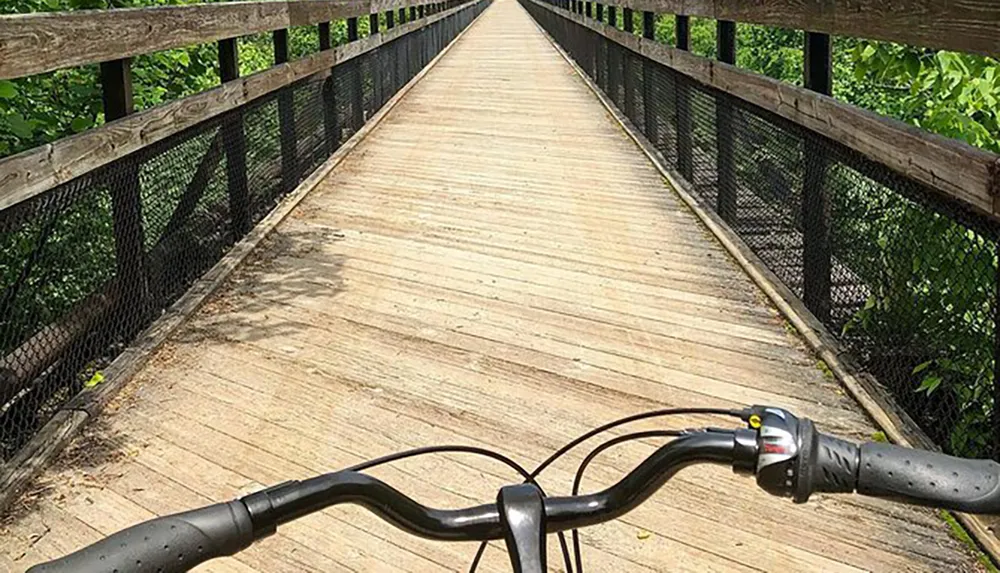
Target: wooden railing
x,y
953,168
36,43
957,25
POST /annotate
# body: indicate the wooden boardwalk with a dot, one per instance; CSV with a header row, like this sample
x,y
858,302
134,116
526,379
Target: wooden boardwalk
x,y
496,264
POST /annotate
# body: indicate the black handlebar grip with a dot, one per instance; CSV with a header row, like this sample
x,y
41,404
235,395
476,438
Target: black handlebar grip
x,y
166,544
929,478
835,465
824,464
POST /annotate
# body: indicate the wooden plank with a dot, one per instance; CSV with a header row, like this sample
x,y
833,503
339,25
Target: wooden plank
x,y
37,170
950,167
41,42
957,25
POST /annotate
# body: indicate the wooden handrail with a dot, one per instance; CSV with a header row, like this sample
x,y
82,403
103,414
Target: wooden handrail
x,y
971,26
37,170
950,167
37,43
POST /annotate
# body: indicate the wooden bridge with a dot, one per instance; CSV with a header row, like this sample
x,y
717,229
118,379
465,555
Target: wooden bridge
x,y
501,256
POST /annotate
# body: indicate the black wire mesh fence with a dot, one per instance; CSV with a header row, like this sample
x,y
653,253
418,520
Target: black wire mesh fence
x,y
905,278
87,265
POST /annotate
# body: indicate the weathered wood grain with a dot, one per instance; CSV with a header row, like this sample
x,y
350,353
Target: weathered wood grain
x,y
37,170
961,25
37,43
953,168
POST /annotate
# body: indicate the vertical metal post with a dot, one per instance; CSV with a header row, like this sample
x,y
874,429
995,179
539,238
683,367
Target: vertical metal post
x,y
236,145
324,36
628,81
329,94
280,46
378,97
682,32
286,119
995,453
685,163
816,251
725,41
357,94
725,200
126,204
648,99
649,25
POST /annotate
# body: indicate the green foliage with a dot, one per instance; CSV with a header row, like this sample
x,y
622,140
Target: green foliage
x,y
955,95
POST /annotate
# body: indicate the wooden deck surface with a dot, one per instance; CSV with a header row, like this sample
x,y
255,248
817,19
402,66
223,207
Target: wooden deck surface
x,y
496,264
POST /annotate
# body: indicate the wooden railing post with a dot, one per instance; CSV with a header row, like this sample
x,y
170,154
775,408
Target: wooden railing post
x,y
126,204
236,145
648,99
816,250
286,119
685,164
725,201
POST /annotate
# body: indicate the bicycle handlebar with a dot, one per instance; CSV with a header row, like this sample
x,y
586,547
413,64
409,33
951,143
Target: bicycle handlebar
x,y
817,462
787,455
176,542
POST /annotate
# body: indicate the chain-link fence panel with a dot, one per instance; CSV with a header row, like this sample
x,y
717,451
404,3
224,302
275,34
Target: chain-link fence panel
x,y
906,278
89,264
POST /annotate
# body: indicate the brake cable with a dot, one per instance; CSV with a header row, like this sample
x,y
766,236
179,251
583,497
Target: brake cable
x,y
593,454
528,478
740,413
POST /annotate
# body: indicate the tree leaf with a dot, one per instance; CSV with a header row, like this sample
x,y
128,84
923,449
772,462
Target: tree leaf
x,y
7,90
81,123
912,63
922,366
929,384
19,126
